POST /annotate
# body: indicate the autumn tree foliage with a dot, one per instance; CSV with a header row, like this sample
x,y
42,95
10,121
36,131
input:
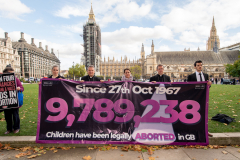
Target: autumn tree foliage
x,y
77,70
136,71
234,69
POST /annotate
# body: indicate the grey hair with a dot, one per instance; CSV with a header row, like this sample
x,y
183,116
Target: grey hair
x,y
55,66
90,66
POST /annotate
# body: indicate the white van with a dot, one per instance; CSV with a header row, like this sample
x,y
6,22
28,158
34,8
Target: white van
x,y
31,79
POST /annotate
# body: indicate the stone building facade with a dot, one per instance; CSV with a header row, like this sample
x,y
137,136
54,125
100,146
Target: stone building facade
x,y
35,61
179,64
231,47
9,55
115,68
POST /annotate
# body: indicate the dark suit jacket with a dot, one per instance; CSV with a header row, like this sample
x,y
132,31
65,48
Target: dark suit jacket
x,y
87,78
156,78
193,77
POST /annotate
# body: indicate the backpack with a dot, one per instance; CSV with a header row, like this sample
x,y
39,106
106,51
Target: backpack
x,y
223,118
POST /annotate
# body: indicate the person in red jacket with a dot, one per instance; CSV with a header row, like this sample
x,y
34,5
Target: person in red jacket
x,y
12,115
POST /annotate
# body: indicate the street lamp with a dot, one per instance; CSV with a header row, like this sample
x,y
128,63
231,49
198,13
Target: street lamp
x,y
73,70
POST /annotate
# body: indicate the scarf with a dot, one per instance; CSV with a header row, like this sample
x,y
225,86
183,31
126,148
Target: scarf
x,y
127,79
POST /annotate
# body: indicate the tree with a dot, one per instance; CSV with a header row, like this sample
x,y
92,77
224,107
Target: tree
x,y
107,77
78,70
233,69
136,71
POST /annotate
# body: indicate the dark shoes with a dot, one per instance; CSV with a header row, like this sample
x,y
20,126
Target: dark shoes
x,y
16,131
7,132
210,135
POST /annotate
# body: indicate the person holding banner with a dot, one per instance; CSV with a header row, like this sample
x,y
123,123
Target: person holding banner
x,y
199,76
13,114
127,75
55,71
90,76
160,77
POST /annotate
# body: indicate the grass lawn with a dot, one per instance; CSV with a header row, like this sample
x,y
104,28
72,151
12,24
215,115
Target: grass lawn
x,y
223,99
28,113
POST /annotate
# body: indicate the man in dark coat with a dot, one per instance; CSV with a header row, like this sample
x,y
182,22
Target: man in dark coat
x,y
90,76
160,77
216,80
234,81
199,76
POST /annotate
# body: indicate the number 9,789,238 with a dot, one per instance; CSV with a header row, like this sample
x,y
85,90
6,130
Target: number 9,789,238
x,y
120,115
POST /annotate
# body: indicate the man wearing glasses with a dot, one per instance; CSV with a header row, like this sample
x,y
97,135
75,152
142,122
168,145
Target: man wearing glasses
x,y
160,77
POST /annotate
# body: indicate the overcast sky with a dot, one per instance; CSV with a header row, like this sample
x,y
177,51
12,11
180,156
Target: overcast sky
x,y
125,24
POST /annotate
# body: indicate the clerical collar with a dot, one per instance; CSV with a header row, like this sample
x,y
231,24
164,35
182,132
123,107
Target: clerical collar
x,y
160,75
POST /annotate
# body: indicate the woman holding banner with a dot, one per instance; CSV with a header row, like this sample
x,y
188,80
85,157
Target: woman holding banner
x,y
12,114
55,71
127,75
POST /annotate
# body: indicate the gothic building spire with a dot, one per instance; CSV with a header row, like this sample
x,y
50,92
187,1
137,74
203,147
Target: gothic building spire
x,y
213,31
213,23
142,48
213,38
215,48
91,11
152,48
91,17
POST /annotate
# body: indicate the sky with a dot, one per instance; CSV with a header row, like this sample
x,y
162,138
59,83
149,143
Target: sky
x,y
125,25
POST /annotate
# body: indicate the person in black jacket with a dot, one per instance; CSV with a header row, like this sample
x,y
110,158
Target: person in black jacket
x,y
90,76
160,77
55,71
199,76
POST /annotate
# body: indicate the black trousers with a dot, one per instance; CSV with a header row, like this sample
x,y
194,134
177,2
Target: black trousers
x,y
11,115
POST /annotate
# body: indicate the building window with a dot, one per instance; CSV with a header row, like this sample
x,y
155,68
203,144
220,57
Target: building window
x,y
150,68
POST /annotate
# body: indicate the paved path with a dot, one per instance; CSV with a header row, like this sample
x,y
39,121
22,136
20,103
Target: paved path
x,y
232,138
228,153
